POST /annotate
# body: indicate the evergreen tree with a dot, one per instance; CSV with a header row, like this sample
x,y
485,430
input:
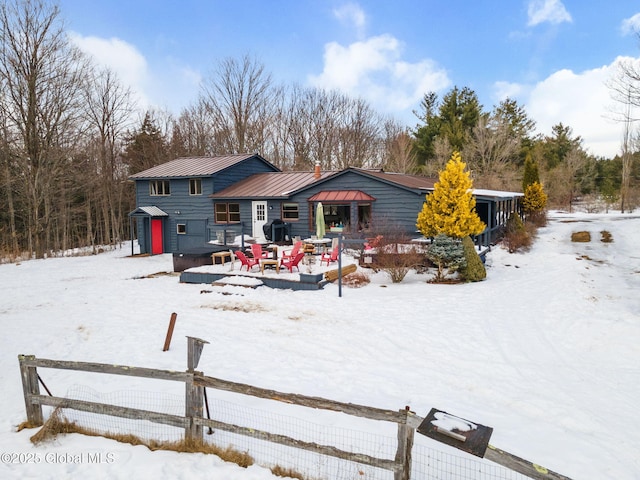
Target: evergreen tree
x,y
145,148
474,270
447,254
534,203
450,209
451,120
521,127
531,174
559,144
535,200
459,113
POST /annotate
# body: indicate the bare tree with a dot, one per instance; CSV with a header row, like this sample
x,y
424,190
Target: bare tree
x,y
312,125
567,180
358,137
625,90
491,153
109,108
442,151
398,153
41,77
192,133
8,226
238,98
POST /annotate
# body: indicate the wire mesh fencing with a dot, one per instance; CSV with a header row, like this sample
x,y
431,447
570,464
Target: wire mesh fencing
x,y
360,436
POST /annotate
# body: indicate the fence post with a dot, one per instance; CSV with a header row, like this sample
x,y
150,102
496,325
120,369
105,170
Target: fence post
x,y
405,445
30,387
194,395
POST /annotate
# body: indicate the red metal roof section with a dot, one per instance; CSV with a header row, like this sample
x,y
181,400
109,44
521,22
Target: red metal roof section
x,y
269,185
341,196
192,166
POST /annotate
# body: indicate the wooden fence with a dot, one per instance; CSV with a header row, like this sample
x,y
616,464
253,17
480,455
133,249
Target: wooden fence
x,y
193,421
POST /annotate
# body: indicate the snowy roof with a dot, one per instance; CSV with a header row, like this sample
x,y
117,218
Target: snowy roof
x,y
497,194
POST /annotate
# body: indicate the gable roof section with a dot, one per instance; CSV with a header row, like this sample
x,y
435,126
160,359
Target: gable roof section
x,y
404,180
414,183
269,185
341,196
196,166
150,211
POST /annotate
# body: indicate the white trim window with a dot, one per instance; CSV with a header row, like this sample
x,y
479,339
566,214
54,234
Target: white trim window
x,y
158,188
195,186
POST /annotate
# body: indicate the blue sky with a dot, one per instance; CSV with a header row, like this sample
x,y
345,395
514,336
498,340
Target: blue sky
x,y
552,56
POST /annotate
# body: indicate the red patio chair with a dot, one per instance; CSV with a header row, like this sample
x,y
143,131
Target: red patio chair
x,y
246,261
290,254
289,263
258,252
330,257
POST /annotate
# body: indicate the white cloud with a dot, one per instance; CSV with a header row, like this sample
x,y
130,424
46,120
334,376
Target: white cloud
x,y
581,101
353,16
631,25
174,87
374,70
552,11
120,57
504,90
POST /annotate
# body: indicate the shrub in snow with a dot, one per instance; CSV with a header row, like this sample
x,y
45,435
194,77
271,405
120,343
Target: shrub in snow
x,y
448,256
516,236
474,270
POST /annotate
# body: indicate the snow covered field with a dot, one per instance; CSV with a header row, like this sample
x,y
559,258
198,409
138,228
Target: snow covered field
x,y
546,350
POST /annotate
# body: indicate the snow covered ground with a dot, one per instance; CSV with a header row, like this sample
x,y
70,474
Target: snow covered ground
x,y
546,350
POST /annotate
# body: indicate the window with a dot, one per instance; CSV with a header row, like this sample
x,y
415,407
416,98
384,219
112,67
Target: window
x,y
159,187
290,211
195,186
181,229
227,212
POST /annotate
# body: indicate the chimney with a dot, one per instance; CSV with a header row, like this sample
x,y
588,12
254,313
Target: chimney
x,y
316,171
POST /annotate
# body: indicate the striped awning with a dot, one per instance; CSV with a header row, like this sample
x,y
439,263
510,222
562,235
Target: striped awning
x,y
341,196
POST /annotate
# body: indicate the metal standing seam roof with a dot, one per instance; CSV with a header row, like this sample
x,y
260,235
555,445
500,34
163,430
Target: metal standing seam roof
x,y
270,185
404,179
151,210
192,166
341,196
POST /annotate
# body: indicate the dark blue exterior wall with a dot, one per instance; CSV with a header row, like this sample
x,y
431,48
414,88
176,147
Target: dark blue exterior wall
x,y
394,206
193,211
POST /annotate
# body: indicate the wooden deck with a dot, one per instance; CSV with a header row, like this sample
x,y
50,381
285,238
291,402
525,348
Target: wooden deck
x,y
269,281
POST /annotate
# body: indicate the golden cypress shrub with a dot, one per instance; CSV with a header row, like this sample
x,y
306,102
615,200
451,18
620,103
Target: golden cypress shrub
x,y
450,208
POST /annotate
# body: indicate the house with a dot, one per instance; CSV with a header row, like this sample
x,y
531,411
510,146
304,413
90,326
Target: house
x,y
189,202
173,209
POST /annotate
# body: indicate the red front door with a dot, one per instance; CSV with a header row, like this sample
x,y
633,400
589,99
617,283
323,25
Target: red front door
x,y
156,236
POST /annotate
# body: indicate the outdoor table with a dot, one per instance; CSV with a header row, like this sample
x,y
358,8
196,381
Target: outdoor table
x,y
268,261
221,256
319,242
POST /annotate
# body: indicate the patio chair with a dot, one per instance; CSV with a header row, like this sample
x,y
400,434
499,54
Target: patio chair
x,y
258,252
290,254
246,261
289,263
330,257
